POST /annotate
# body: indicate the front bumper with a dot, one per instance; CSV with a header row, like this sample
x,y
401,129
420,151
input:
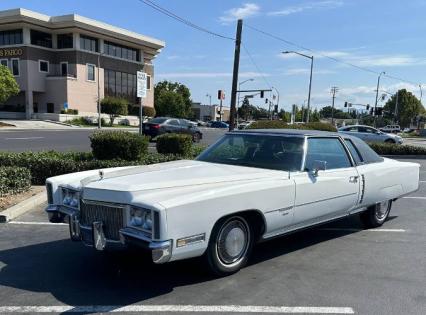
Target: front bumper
x,y
161,251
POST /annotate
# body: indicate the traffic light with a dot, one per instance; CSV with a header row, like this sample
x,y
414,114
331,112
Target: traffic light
x,y
220,95
367,107
379,111
262,94
276,108
266,101
346,104
371,111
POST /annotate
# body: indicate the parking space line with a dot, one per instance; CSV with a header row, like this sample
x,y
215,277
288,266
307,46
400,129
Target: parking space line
x,y
26,138
414,197
178,309
35,223
368,230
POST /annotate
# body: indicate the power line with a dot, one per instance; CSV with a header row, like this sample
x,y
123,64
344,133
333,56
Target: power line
x,y
256,66
170,14
326,56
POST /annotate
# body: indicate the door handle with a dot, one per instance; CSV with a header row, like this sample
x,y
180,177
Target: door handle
x,y
353,179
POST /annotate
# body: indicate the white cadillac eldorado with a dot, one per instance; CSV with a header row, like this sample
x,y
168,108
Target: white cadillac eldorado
x,y
248,187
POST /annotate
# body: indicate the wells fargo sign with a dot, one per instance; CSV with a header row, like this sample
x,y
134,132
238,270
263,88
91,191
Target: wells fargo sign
x,y
11,52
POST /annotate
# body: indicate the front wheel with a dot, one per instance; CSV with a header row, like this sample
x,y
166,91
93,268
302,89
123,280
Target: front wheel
x,y
230,245
376,215
390,141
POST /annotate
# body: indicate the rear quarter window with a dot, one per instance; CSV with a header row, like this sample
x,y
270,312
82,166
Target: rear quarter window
x,y
368,155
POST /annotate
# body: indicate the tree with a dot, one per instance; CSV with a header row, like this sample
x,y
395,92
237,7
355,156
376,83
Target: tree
x,y
114,107
172,99
409,107
246,111
8,85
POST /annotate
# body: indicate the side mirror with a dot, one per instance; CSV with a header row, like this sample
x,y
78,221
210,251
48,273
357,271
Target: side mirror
x,y
318,166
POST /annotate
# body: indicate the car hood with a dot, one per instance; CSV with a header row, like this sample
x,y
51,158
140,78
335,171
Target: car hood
x,y
173,174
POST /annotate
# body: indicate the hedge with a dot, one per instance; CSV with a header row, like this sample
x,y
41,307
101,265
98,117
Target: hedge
x,y
172,143
46,164
396,149
278,124
14,180
109,145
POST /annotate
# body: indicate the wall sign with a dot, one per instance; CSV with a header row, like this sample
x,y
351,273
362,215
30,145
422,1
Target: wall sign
x,y
11,52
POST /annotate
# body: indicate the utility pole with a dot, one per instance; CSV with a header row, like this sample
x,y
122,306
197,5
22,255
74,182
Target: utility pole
x,y
396,107
377,96
310,87
333,91
235,73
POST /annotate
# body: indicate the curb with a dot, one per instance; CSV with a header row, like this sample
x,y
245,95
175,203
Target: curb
x,y
416,157
22,207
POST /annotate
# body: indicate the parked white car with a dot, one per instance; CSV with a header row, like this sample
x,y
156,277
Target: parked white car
x,y
391,129
370,134
249,186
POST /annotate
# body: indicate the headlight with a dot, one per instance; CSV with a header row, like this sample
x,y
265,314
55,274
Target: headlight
x,y
70,197
141,218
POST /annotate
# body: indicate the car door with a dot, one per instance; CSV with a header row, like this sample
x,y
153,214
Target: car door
x,y
186,127
366,133
174,126
331,192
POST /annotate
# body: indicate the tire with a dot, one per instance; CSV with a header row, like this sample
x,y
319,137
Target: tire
x,y
376,215
389,141
196,137
230,245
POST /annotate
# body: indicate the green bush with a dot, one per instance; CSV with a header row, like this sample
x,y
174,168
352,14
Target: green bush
x,y
114,107
396,149
109,145
279,124
171,143
69,111
14,180
146,110
43,165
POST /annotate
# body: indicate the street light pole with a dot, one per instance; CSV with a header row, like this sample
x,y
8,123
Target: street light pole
x,y
99,93
278,96
238,98
377,96
310,77
210,97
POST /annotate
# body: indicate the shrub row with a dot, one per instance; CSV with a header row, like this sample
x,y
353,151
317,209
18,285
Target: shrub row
x,y
47,164
172,143
69,111
396,149
14,180
278,124
108,145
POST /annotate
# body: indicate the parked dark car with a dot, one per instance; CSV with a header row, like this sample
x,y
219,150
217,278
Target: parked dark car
x,y
161,125
219,124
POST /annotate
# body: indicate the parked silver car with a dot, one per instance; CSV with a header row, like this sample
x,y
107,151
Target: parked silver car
x,y
370,134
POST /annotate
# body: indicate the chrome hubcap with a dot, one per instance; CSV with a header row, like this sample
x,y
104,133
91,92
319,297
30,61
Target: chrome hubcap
x,y
382,210
232,242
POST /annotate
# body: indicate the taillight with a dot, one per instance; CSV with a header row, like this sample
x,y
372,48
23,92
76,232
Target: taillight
x,y
155,126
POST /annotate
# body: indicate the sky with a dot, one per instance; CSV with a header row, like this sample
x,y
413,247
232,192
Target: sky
x,y
374,35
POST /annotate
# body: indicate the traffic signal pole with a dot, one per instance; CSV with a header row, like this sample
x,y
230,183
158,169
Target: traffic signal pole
x,y
235,74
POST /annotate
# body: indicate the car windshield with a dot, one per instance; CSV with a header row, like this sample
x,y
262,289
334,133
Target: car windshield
x,y
263,151
158,120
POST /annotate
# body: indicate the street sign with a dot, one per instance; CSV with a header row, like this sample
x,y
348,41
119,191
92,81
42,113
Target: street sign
x,y
141,84
65,106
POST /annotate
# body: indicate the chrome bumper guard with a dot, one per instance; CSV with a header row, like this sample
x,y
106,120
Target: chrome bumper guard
x,y
93,236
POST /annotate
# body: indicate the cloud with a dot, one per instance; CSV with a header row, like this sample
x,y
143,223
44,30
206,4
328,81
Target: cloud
x,y
210,75
173,57
300,71
327,4
247,10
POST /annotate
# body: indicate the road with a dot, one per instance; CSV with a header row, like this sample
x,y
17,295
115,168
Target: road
x,y
68,139
337,268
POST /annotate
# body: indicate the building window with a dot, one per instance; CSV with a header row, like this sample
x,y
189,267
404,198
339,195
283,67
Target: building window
x,y
50,107
121,51
12,37
64,69
43,66
120,84
41,39
15,67
65,41
4,62
148,82
90,72
88,43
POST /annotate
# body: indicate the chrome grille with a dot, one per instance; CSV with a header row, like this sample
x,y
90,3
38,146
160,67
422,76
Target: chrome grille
x,y
111,216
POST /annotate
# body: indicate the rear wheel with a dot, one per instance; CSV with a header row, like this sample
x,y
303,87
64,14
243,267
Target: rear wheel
x,y
230,245
376,215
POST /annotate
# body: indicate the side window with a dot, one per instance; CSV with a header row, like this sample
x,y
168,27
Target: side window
x,y
174,122
329,150
354,152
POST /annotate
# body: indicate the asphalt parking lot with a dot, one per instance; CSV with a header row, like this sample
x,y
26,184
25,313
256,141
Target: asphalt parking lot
x,y
337,268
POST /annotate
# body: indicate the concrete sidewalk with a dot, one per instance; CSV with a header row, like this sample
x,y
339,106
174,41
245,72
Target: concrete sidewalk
x,y
33,124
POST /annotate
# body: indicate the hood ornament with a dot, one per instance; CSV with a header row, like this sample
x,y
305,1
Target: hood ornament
x,y
101,174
